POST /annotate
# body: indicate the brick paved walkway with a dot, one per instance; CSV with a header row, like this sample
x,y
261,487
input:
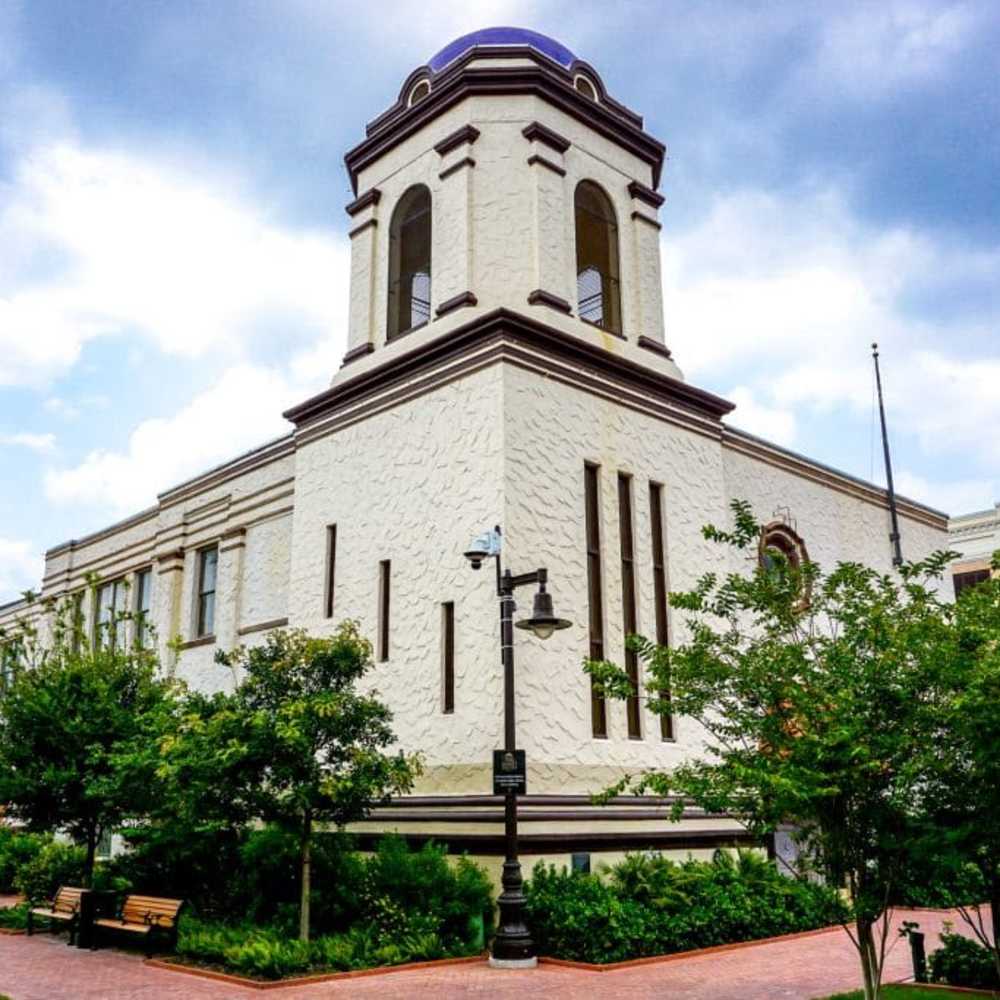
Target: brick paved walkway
x,y
44,968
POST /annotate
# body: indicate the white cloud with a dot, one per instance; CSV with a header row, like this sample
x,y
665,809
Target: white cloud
x,y
241,410
25,439
21,568
957,496
786,295
113,244
772,423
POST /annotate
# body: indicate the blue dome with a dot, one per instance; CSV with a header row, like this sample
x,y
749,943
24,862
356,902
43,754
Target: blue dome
x,y
502,36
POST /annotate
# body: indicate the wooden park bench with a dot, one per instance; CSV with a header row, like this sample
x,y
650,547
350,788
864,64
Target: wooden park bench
x,y
144,916
65,908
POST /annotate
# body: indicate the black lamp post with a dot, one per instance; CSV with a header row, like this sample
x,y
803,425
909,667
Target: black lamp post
x,y
512,945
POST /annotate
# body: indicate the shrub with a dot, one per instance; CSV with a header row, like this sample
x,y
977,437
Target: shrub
x,y
651,906
960,961
14,917
16,849
926,881
54,865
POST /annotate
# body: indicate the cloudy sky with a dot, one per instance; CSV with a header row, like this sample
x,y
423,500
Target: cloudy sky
x,y
173,259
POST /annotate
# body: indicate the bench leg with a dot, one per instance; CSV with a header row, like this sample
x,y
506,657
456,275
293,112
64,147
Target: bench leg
x,y
31,924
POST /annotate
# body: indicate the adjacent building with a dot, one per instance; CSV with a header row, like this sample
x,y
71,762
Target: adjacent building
x,y
977,537
507,364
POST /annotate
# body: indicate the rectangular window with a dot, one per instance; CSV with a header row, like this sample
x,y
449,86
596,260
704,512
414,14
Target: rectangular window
x,y
630,623
962,581
660,590
331,566
591,482
384,572
77,622
208,568
109,626
143,597
448,654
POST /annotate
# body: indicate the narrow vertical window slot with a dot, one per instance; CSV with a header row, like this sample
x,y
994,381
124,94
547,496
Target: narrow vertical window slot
x,y
448,655
385,572
660,592
208,566
331,568
143,603
630,623
598,707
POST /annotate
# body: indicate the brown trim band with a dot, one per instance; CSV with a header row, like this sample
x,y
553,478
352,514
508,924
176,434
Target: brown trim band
x,y
456,302
528,801
370,197
467,133
654,345
642,193
467,161
647,220
540,297
262,626
596,813
537,132
358,352
493,844
205,640
543,162
358,230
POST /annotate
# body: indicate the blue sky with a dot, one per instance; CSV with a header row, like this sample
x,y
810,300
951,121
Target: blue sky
x,y
173,260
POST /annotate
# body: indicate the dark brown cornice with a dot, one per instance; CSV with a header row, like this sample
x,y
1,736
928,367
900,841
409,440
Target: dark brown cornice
x,y
512,331
653,345
370,197
548,164
456,302
642,193
358,352
358,230
646,219
537,132
540,297
467,133
466,161
543,78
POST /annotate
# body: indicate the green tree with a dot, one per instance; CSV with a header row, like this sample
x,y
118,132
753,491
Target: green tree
x,y
295,743
815,694
962,800
79,727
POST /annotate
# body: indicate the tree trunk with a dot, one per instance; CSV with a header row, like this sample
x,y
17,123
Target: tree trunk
x,y
88,864
306,858
995,916
869,958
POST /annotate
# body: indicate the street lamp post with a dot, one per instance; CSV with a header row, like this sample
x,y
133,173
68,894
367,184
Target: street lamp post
x,y
512,945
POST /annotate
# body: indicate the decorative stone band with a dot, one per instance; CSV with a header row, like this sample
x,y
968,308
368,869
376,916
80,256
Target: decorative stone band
x,y
358,352
543,162
370,197
540,297
456,302
645,194
262,626
537,132
654,345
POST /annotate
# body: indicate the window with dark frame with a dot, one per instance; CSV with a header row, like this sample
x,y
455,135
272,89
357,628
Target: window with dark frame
x,y
409,299
448,655
384,575
331,568
143,596
109,625
630,621
208,568
77,621
598,291
598,706
660,592
962,581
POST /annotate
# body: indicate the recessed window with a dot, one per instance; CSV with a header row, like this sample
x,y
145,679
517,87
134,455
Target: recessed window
x,y
410,262
595,593
331,568
630,623
419,92
208,568
585,87
962,581
660,592
384,583
598,292
143,603
109,626
77,621
781,546
448,656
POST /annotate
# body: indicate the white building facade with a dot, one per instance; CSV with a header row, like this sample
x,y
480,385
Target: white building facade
x,y
976,537
508,365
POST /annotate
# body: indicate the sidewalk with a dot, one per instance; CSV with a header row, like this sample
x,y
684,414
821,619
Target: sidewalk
x,y
44,968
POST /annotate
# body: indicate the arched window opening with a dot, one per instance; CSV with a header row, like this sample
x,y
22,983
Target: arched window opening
x,y
597,289
585,87
782,550
410,262
419,92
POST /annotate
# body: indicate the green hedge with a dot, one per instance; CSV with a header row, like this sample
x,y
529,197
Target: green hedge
x,y
16,849
961,961
14,917
653,906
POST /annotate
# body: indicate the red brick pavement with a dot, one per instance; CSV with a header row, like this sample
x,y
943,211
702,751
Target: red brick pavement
x,y
44,968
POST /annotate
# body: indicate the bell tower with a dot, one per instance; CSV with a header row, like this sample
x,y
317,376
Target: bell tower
x,y
505,177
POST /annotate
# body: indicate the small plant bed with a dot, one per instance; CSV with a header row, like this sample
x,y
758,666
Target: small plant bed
x,y
14,919
649,907
912,993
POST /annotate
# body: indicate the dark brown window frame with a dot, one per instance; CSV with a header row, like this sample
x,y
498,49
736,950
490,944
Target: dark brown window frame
x,y
969,578
331,569
595,598
448,657
201,631
384,603
142,615
667,732
630,615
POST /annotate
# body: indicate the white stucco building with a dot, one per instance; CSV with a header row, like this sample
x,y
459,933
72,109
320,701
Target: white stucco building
x,y
507,364
977,537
